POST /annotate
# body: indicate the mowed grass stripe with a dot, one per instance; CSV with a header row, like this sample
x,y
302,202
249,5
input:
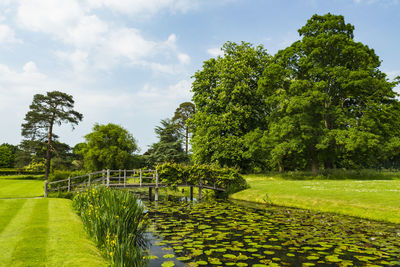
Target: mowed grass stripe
x,y
8,210
11,234
31,248
21,188
67,243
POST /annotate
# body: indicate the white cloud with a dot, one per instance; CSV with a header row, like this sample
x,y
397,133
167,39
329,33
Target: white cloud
x,y
143,7
49,16
215,52
98,44
176,92
7,35
184,58
78,59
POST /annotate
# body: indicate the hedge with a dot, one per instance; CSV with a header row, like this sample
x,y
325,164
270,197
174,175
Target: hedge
x,y
22,171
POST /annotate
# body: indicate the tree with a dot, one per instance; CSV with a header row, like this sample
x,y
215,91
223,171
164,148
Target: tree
x,y
169,147
228,105
107,147
328,101
45,111
184,112
6,157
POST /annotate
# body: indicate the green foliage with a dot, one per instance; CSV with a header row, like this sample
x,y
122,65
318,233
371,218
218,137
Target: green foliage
x,y
328,103
64,174
117,223
208,175
228,105
18,171
36,166
7,155
169,147
107,147
184,112
54,108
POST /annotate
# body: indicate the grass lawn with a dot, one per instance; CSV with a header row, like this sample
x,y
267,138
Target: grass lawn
x,y
41,232
13,188
372,199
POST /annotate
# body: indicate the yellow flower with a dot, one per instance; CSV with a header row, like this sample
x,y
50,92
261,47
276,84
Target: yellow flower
x,y
116,217
111,253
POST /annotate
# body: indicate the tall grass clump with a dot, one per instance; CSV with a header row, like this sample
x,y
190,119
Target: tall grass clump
x,y
116,221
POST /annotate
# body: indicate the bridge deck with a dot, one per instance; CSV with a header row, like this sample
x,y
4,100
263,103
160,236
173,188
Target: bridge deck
x,y
154,185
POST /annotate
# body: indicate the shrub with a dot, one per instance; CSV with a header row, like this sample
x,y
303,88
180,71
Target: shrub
x,y
209,175
117,223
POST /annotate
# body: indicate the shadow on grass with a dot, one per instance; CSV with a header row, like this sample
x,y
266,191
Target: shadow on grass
x,y
335,174
22,177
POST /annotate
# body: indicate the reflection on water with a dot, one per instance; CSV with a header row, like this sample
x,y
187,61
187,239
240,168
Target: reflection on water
x,y
185,233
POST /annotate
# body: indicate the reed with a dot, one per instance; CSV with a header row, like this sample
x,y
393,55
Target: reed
x,y
117,223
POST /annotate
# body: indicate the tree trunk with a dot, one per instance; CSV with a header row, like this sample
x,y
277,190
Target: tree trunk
x,y
48,154
314,161
187,139
280,166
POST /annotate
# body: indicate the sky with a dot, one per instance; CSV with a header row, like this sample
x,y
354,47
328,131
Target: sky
x,y
130,62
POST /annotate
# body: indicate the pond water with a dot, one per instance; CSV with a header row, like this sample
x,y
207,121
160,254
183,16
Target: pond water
x,y
229,234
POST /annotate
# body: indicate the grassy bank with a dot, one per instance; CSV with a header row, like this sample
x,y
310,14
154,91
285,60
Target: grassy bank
x,y
372,199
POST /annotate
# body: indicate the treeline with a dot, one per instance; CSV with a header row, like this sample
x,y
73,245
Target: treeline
x,y
322,102
108,146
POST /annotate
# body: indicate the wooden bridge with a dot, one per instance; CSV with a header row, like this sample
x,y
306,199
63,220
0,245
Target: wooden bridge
x,y
123,179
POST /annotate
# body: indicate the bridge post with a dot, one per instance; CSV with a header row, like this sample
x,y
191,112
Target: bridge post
x,y
103,176
150,193
140,178
89,179
191,193
156,189
124,178
108,178
45,188
200,186
69,184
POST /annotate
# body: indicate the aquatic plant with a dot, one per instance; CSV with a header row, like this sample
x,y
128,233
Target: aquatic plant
x,y
117,223
222,233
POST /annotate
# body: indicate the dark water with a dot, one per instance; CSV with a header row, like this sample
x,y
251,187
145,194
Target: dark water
x,y
229,234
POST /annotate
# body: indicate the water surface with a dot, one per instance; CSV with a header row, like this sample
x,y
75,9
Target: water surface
x,y
228,234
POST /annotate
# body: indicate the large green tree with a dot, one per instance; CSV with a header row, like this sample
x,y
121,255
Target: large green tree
x,y
227,104
54,108
328,101
169,147
107,147
184,112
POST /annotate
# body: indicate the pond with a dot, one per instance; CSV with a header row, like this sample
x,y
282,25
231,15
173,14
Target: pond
x,y
232,234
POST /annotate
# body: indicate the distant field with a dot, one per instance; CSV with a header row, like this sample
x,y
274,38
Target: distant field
x,y
373,199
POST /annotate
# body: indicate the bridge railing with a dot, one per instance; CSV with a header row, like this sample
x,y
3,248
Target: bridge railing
x,y
109,178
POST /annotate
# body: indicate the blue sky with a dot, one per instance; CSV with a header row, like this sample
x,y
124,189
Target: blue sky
x,y
130,62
